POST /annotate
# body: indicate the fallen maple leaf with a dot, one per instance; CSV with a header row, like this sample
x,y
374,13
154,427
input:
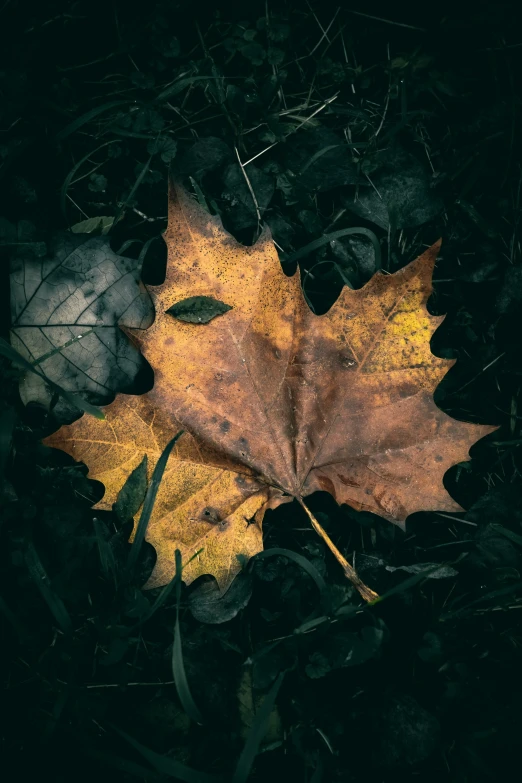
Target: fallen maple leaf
x,y
276,401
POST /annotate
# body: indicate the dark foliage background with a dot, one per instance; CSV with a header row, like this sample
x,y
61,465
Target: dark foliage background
x,y
403,122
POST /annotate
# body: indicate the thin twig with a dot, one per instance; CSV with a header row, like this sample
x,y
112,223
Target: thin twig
x,y
307,119
388,21
318,22
500,48
387,103
366,592
456,519
129,684
478,374
251,189
325,32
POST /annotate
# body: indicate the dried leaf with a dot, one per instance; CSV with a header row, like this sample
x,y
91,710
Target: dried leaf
x,y
66,309
276,402
442,572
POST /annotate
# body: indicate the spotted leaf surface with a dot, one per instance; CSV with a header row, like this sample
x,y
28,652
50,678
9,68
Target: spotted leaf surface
x,y
66,308
279,401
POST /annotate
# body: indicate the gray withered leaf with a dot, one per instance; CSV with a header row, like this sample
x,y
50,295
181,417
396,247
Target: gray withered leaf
x,y
444,572
65,312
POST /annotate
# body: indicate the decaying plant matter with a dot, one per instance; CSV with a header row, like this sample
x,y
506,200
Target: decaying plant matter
x,y
276,402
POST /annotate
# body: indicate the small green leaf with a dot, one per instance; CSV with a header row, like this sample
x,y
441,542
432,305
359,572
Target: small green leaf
x,y
95,225
278,31
275,56
170,47
132,494
142,81
253,52
98,183
164,147
198,309
318,666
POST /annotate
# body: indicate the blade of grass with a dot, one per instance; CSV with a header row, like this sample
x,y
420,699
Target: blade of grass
x,y
67,181
128,243
133,190
162,597
180,85
143,252
48,355
343,232
297,558
301,123
90,115
493,594
132,135
256,733
7,422
199,194
309,625
504,531
406,584
166,765
42,581
178,666
309,273
124,765
389,21
74,399
107,561
150,498
319,154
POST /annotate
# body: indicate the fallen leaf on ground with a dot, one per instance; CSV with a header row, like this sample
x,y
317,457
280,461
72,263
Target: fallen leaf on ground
x,y
276,402
66,308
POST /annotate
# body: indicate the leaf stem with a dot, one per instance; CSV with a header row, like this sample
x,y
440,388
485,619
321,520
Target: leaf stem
x,y
366,592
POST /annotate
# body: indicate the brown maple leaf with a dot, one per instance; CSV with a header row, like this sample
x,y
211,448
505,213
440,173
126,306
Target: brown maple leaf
x,y
276,401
